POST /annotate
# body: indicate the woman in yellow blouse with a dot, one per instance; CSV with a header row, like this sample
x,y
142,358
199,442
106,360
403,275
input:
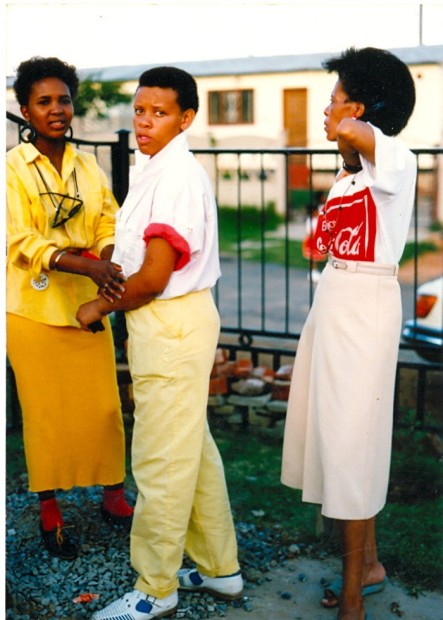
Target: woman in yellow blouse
x,y
60,227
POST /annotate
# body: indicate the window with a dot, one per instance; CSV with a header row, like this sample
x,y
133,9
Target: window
x,y
230,107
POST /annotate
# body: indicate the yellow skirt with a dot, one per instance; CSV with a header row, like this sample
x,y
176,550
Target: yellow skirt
x,y
67,386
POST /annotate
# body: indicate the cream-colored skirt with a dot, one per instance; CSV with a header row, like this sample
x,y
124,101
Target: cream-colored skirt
x,y
337,442
72,424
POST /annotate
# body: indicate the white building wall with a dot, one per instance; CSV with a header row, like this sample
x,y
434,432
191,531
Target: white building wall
x,y
425,128
268,108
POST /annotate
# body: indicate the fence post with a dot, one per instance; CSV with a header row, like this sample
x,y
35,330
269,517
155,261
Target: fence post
x,y
120,165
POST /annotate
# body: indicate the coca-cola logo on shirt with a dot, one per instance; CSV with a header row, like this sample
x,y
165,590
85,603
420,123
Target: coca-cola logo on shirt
x,y
347,227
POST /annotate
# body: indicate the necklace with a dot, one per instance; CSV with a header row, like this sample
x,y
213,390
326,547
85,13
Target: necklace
x,y
65,206
331,226
51,194
352,169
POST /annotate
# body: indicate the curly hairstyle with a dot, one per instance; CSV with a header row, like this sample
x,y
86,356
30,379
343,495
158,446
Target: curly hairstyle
x,y
379,80
171,77
37,68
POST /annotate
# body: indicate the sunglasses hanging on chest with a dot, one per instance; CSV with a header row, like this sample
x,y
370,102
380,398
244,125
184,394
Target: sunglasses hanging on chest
x,y
65,206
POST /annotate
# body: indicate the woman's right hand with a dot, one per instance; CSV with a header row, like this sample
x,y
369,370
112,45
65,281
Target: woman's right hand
x,y
109,278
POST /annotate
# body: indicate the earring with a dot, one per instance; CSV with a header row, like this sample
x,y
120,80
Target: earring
x,y
71,133
354,117
27,133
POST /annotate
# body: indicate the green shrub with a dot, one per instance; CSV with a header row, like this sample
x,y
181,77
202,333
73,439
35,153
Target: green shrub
x,y
422,248
247,223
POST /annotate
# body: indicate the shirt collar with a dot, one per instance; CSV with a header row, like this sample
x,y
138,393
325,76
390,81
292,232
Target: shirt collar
x,y
177,144
32,154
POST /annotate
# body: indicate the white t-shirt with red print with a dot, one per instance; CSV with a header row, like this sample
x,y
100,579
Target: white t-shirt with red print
x,y
170,196
367,215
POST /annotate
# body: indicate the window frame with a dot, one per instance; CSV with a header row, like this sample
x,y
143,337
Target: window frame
x,y
219,114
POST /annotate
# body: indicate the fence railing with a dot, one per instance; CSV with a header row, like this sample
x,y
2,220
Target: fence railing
x,y
264,294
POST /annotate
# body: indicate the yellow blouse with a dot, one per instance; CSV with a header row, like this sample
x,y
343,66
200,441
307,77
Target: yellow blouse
x,y
33,291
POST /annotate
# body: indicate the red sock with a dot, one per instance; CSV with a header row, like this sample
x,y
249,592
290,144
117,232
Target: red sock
x,y
115,503
50,514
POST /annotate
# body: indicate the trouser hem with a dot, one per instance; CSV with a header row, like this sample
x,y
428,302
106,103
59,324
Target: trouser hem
x,y
141,585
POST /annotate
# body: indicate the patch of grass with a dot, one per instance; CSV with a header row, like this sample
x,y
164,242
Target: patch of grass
x,y
252,467
245,224
253,228
436,226
15,456
410,541
422,248
410,532
410,527
253,232
278,252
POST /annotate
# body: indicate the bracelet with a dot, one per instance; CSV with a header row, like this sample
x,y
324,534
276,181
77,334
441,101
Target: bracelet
x,y
352,169
57,258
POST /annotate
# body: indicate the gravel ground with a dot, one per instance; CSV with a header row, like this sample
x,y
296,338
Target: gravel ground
x,y
40,586
281,582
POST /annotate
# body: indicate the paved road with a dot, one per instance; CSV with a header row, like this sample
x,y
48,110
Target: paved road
x,y
268,288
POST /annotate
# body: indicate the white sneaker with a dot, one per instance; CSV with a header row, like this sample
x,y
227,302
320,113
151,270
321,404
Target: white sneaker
x,y
229,588
137,605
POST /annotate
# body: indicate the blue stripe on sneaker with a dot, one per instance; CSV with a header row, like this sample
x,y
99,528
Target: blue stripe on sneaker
x,y
143,606
195,578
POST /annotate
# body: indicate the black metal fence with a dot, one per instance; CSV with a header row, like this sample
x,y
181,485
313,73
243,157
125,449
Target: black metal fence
x,y
263,303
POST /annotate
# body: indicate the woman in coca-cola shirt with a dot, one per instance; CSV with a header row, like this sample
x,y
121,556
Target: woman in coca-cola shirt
x,y
339,421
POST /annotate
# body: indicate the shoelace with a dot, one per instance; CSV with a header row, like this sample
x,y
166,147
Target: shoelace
x,y
59,533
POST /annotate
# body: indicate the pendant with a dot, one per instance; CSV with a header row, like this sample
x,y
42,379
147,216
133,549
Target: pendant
x,y
41,284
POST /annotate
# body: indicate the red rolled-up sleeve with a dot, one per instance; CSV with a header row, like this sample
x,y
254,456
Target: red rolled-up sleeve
x,y
169,234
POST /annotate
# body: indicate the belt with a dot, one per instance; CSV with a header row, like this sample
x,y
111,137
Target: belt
x,y
376,269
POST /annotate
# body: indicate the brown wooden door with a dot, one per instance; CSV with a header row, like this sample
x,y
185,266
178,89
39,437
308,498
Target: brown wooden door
x,y
295,105
295,112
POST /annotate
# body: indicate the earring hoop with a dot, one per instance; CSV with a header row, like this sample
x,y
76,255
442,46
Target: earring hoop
x,y
71,133
27,133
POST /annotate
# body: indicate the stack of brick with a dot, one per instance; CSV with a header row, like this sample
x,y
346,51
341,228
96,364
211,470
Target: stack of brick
x,y
282,383
240,377
221,371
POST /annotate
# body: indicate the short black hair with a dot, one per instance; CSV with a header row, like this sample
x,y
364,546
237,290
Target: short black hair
x,y
171,77
38,68
379,80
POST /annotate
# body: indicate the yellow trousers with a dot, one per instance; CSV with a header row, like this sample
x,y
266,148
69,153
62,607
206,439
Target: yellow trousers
x,y
182,504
